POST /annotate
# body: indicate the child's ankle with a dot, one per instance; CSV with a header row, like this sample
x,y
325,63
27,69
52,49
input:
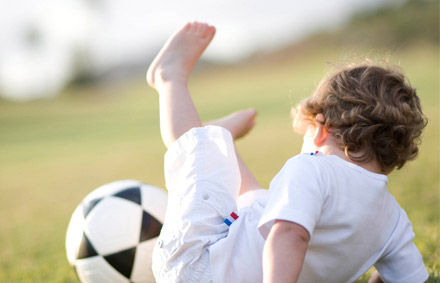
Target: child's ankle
x,y
171,85
166,78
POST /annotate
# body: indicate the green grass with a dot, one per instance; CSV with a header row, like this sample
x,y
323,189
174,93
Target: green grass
x,y
54,152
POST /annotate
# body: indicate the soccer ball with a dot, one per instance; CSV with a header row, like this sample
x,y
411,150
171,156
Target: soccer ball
x,y
113,230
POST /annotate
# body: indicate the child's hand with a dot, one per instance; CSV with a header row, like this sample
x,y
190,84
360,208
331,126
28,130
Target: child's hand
x,y
375,278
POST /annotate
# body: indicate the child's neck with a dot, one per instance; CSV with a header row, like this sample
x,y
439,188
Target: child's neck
x,y
330,148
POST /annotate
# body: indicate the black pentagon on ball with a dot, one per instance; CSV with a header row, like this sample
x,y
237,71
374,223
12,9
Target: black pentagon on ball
x,y
150,227
133,194
85,248
122,261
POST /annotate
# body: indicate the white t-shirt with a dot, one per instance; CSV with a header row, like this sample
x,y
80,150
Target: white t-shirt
x,y
353,220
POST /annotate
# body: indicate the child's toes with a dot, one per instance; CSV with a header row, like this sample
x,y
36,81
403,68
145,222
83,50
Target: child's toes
x,y
196,27
188,26
208,32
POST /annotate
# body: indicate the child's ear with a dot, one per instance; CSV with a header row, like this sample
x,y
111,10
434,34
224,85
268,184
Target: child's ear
x,y
321,132
321,135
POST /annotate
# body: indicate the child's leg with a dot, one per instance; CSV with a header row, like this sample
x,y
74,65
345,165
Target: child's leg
x,y
169,73
248,181
239,124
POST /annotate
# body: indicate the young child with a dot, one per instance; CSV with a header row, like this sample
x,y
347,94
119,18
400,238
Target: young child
x,y
327,217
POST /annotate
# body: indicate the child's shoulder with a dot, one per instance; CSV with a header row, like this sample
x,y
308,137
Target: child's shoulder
x,y
312,157
306,161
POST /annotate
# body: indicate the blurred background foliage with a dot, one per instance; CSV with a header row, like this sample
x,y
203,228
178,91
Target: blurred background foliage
x,y
54,151
415,21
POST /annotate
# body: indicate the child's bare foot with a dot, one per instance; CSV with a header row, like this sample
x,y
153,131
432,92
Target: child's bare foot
x,y
238,123
180,53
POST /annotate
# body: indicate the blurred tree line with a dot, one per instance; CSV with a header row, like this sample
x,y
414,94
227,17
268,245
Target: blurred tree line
x,y
414,21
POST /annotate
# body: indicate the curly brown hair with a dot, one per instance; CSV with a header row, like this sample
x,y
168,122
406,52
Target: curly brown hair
x,y
372,111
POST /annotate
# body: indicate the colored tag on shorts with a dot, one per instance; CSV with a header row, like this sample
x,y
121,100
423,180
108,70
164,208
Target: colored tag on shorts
x,y
231,218
314,153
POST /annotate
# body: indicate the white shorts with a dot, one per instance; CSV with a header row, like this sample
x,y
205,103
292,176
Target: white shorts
x,y
203,181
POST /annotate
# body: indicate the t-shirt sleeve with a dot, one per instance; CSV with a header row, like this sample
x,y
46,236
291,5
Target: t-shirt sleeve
x,y
402,262
296,194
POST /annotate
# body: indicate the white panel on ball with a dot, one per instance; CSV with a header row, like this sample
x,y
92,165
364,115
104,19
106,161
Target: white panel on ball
x,y
142,263
96,269
154,200
114,225
74,234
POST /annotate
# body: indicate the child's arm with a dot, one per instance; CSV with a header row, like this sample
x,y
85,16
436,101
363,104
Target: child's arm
x,y
284,252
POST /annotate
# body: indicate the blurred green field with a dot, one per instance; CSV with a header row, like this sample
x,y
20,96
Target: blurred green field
x,y
53,152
